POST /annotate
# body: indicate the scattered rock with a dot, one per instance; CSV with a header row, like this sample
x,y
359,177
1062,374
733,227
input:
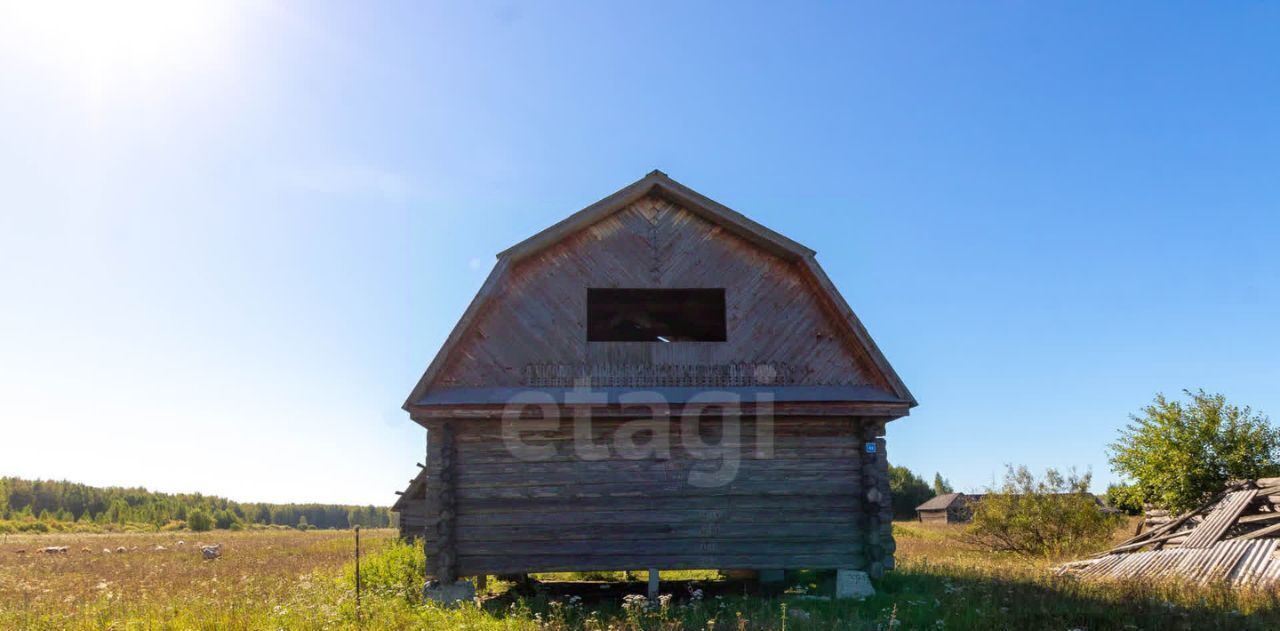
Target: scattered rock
x,y
798,614
853,584
450,593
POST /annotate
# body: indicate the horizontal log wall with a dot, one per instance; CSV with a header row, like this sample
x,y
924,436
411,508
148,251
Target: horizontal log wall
x,y
804,505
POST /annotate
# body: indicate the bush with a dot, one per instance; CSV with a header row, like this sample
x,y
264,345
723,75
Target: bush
x,y
397,570
33,526
198,521
1053,516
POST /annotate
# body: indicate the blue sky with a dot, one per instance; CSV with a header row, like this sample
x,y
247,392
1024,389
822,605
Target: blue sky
x,y
227,250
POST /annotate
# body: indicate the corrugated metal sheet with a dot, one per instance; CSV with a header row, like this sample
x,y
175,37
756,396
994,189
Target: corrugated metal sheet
x,y
1227,539
1258,566
1250,562
1223,516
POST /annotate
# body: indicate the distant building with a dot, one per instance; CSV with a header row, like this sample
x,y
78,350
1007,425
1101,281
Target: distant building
x,y
949,508
957,508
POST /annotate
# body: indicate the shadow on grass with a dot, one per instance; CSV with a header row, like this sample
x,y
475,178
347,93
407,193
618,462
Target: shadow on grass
x,y
917,598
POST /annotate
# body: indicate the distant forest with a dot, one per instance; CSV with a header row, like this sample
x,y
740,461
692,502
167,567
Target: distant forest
x,y
43,505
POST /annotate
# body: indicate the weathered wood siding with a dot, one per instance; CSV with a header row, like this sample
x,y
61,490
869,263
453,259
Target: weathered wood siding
x,y
413,519
775,316
934,516
809,504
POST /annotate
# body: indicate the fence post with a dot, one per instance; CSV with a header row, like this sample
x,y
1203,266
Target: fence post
x,y
357,574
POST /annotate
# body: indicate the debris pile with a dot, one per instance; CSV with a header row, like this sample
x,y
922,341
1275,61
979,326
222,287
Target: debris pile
x,y
1232,538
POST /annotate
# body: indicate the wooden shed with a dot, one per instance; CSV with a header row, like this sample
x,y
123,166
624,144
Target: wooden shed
x,y
657,382
948,508
411,506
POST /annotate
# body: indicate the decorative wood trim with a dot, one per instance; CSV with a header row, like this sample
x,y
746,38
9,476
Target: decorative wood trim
x,y
425,414
611,375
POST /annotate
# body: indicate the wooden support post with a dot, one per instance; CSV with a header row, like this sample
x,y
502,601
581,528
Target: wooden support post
x,y
653,584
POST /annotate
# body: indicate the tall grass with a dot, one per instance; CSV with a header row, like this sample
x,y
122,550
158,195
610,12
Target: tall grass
x,y
292,580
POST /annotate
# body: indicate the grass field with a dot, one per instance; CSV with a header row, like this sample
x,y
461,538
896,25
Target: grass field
x,y
303,580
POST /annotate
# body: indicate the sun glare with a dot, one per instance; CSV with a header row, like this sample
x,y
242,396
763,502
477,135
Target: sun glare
x,y
103,40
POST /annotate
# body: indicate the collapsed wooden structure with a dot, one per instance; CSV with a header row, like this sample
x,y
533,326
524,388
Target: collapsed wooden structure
x,y
1232,538
657,382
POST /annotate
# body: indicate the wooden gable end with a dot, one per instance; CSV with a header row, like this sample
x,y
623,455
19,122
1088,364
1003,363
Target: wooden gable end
x,y
533,329
784,326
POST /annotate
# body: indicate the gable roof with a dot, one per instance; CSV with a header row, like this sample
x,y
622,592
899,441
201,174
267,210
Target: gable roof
x,y
658,184
940,502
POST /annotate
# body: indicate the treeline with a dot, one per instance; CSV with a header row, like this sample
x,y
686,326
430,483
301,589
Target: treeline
x,y
50,502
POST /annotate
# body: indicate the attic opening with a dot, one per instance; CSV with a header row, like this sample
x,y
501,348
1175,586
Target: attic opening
x,y
655,315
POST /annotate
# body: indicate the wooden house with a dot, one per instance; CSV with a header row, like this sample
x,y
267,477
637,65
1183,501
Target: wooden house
x,y
411,506
657,382
948,508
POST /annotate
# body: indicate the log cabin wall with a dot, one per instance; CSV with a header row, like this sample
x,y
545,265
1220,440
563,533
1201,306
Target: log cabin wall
x,y
818,500
413,520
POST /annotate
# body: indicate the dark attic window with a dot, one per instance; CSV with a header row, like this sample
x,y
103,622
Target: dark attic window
x,y
655,315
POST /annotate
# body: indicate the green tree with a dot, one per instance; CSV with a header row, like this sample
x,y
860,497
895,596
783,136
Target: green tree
x,y
1177,453
302,523
940,485
909,491
223,519
1125,497
199,521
